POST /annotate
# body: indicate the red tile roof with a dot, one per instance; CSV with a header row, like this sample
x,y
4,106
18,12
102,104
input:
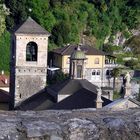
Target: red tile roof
x,y
2,81
4,96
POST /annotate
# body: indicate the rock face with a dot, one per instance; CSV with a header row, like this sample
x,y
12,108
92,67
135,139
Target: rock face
x,y
85,124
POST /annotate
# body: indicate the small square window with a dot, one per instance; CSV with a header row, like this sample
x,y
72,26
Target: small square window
x,y
96,61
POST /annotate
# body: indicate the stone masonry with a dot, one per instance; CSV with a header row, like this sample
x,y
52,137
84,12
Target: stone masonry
x,y
85,124
30,77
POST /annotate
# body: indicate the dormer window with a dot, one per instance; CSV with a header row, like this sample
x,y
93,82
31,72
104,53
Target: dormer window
x,y
31,51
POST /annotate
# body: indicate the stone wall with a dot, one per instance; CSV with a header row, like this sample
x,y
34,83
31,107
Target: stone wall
x,y
85,124
28,77
28,85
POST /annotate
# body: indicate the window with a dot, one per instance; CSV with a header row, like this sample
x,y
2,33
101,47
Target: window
x,y
96,60
98,72
108,72
79,71
94,72
68,61
31,51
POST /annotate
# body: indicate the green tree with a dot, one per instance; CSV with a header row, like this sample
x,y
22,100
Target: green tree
x,y
131,63
98,18
61,33
115,73
5,51
58,77
18,13
134,44
3,13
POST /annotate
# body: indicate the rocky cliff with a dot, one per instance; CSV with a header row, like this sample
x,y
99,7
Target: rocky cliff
x,y
70,125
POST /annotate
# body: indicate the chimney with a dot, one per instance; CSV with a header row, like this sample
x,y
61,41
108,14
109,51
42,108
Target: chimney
x,y
2,72
99,101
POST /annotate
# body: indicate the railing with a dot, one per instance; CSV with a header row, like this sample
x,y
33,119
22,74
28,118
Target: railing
x,y
111,65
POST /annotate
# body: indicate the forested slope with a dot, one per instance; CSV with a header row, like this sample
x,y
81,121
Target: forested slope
x,y
69,20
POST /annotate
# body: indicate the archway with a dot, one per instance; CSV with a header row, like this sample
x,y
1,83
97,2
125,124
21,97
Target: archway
x,y
31,51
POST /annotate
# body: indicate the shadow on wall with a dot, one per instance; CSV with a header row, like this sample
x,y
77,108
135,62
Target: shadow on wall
x,y
39,101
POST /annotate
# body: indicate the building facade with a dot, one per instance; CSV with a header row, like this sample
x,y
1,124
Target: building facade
x,y
29,61
98,65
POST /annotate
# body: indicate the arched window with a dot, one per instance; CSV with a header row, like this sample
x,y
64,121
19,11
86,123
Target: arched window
x,y
107,72
93,72
98,72
31,51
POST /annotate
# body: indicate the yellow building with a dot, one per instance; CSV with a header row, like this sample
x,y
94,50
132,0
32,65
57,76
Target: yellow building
x,y
97,65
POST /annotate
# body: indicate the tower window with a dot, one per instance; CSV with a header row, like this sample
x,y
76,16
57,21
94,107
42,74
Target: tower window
x,y
31,51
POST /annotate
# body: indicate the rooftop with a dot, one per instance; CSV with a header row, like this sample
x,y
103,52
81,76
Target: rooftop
x,y
69,49
82,94
83,98
4,96
4,81
31,27
70,86
39,101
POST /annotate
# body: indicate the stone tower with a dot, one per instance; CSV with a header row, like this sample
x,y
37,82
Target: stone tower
x,y
28,61
77,64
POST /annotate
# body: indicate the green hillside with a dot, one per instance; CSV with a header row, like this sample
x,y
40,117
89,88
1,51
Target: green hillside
x,y
69,20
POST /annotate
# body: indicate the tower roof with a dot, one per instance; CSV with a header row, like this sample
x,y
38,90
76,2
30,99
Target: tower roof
x,y
78,54
31,27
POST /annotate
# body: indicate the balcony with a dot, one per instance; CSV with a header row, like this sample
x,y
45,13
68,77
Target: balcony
x,y
110,65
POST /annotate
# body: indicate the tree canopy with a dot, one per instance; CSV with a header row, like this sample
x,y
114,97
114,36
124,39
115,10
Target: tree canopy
x,y
69,21
3,13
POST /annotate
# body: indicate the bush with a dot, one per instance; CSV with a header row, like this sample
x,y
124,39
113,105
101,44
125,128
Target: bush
x,y
127,34
58,77
131,63
116,95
